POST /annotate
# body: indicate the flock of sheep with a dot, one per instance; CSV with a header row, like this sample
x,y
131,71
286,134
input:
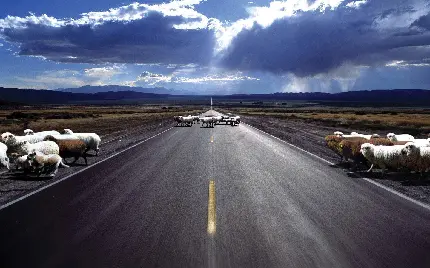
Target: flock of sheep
x,y
208,121
43,152
395,152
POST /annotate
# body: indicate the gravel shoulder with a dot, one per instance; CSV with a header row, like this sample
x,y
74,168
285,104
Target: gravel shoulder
x,y
13,186
310,137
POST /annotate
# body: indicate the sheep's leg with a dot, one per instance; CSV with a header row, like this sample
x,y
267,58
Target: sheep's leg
x,y
370,169
74,161
85,158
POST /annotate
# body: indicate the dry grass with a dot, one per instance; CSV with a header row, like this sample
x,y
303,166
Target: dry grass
x,y
102,120
414,121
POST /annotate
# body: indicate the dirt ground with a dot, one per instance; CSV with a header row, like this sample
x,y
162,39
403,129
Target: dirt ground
x,y
310,137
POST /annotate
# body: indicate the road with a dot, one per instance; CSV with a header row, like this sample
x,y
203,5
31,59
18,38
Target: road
x,y
271,205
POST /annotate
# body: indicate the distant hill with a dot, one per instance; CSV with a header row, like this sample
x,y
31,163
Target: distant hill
x,y
115,88
407,97
31,96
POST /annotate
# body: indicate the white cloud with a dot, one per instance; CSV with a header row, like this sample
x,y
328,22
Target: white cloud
x,y
403,64
104,72
98,76
193,77
356,4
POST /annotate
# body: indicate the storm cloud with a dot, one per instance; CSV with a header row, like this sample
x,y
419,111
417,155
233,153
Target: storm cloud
x,y
318,41
132,34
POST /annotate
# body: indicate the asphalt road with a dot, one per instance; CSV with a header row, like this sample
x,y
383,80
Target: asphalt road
x,y
275,207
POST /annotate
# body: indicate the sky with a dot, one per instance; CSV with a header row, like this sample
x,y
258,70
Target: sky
x,y
216,46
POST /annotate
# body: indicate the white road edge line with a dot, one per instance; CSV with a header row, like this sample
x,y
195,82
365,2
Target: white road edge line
x,y
77,172
419,203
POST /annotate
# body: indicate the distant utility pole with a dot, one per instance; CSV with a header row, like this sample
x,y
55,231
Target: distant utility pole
x,y
211,103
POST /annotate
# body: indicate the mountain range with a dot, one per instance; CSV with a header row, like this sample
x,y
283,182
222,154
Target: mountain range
x,y
406,97
115,88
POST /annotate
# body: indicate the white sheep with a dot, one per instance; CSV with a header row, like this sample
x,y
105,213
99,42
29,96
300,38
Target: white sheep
x,y
44,163
208,121
422,142
4,160
346,136
9,138
400,137
365,136
91,140
64,137
23,163
235,120
44,147
43,133
383,156
418,157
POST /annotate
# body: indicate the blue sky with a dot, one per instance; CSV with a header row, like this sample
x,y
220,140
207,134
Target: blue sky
x,y
217,46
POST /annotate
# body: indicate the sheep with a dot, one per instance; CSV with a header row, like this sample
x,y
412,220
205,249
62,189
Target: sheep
x,y
43,133
70,148
44,147
208,121
4,160
217,119
63,137
184,120
344,136
338,133
350,149
195,118
400,137
91,140
418,157
383,156
44,163
19,146
354,135
367,137
9,138
23,163
422,142
235,120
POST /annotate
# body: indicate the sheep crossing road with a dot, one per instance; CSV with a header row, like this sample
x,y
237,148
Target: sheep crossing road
x,y
223,197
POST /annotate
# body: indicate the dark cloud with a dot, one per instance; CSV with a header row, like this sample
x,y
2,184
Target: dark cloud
x,y
422,22
151,39
316,42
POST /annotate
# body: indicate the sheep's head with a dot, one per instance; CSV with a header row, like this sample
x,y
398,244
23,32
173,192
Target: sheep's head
x,y
8,138
49,138
5,161
391,136
338,133
28,132
31,156
366,149
68,131
409,148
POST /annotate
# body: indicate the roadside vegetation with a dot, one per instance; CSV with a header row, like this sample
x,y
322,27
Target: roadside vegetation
x,y
414,121
99,119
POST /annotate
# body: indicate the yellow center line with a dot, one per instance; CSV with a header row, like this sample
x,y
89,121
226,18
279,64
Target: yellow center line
x,y
212,209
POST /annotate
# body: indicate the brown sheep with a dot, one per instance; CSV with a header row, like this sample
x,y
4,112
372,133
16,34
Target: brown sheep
x,y
350,149
70,148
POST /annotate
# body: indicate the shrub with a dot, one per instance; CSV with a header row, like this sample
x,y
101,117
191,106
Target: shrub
x,y
21,115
